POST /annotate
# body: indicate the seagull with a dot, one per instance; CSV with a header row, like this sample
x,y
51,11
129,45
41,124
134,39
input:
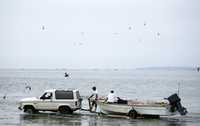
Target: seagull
x,y
82,33
28,87
158,34
4,97
115,33
66,74
43,27
145,23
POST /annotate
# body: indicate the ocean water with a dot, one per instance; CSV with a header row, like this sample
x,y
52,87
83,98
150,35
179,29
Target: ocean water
x,y
129,84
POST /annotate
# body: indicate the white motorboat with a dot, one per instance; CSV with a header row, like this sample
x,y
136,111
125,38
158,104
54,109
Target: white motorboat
x,y
133,108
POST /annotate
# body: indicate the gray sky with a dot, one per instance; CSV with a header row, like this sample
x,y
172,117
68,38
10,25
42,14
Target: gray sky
x,y
99,33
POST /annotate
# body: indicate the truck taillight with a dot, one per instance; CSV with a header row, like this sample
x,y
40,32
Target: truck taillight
x,y
76,103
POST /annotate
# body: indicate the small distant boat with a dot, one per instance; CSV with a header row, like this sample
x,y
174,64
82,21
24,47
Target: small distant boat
x,y
134,108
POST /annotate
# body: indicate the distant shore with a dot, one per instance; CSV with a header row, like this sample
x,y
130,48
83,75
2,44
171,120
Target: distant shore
x,y
96,69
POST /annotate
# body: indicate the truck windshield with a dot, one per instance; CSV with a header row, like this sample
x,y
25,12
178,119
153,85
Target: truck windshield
x,y
46,95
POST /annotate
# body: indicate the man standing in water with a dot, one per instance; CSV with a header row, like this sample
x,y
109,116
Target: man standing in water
x,y
93,99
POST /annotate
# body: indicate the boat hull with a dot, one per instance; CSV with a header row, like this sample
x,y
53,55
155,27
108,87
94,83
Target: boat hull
x,y
124,109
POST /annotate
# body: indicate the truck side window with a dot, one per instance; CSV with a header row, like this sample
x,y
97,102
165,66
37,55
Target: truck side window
x,y
61,94
46,95
78,95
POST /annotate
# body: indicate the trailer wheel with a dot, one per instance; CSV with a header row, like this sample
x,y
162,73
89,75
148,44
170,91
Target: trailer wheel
x,y
65,110
133,114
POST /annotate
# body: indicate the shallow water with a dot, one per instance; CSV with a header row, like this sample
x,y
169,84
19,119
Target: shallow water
x,y
131,84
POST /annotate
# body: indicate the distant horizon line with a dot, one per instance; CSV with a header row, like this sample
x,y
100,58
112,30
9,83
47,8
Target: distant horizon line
x,y
114,68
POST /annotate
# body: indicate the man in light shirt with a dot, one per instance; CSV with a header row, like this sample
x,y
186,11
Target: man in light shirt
x,y
111,98
93,99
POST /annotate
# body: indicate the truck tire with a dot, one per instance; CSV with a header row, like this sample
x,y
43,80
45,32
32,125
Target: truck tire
x,y
29,109
65,110
132,114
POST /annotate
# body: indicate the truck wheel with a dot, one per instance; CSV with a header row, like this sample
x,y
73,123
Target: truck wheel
x,y
65,110
133,114
29,109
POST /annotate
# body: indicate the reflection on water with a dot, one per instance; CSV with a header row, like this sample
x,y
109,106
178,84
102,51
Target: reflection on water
x,y
49,119
46,119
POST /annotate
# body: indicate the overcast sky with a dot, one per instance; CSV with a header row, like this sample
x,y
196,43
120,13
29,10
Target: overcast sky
x,y
99,33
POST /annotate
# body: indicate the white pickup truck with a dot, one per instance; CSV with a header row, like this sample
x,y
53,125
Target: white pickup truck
x,y
63,101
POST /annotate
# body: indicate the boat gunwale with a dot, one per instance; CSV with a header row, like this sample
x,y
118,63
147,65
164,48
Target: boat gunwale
x,y
135,105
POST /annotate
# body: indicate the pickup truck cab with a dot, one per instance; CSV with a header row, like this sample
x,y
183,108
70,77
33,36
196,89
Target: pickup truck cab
x,y
63,101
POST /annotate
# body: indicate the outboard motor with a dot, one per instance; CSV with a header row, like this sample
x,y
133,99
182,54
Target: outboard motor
x,y
175,103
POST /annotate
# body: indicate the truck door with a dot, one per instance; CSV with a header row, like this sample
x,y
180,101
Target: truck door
x,y
46,102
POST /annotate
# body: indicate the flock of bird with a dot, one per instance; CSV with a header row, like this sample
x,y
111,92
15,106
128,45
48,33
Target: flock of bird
x,y
28,87
115,33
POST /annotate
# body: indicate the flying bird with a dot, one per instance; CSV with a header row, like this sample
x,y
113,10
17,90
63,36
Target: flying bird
x,y
158,34
43,27
115,33
82,33
145,23
28,87
4,97
66,74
